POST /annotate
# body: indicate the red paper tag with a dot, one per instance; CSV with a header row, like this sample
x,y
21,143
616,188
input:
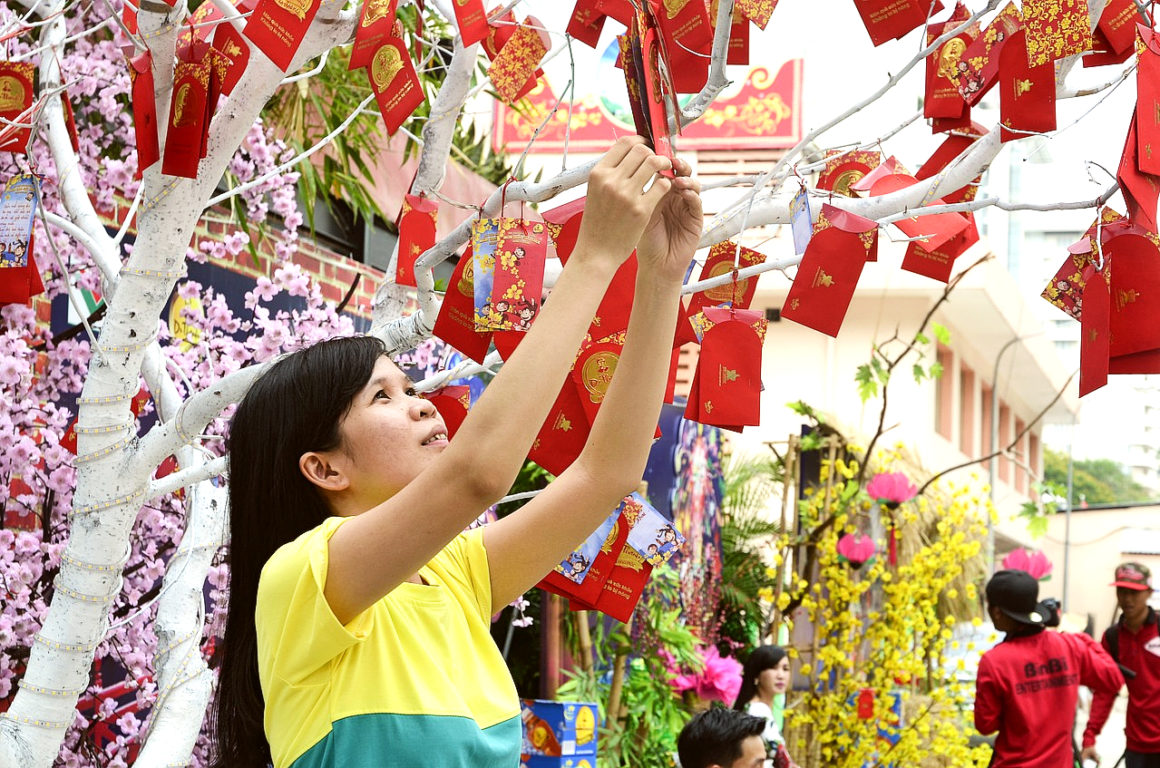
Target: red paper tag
x,y
455,323
598,568
129,18
952,146
1102,52
683,24
1055,29
16,84
621,10
738,40
891,19
453,403
563,433
587,22
979,64
70,122
623,587
416,235
19,284
472,21
519,273
719,262
144,111
1139,363
829,271
517,61
277,27
187,118
936,229
395,83
1094,336
376,25
193,40
654,94
1026,93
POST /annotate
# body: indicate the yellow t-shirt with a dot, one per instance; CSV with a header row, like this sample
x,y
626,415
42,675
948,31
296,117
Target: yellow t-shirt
x,y
414,680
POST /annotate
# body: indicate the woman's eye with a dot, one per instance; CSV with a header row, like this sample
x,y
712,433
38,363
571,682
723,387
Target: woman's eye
x,y
412,393
382,394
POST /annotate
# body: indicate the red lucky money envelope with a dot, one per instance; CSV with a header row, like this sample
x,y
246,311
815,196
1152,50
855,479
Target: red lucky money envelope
x,y
587,22
936,230
472,20
515,64
1139,189
1094,336
277,27
453,403
845,169
395,83
729,370
16,80
942,66
1055,29
1133,262
757,11
581,575
979,64
1026,93
593,373
563,433
455,323
937,264
376,25
1148,103
891,19
416,234
144,111
188,121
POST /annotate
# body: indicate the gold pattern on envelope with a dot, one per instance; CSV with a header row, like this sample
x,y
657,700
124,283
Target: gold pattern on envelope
x,y
385,65
822,279
726,375
597,374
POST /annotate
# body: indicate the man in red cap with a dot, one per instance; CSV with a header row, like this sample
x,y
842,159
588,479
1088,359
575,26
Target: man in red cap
x,y
1134,643
1028,684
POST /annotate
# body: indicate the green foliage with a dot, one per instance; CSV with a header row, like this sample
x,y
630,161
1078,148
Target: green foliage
x,y
941,333
1095,481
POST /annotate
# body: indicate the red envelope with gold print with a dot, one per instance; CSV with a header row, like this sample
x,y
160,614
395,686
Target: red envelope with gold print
x,y
395,83
587,22
1139,189
683,24
1148,103
593,372
623,587
375,26
1094,336
455,323
1055,29
416,234
563,433
738,39
1139,363
952,146
587,591
230,42
472,20
277,27
947,124
1026,93
719,262
621,10
729,368
757,11
979,64
518,282
517,61
887,167
452,402
16,89
938,263
1065,290
1117,25
144,111
1102,52
942,67
891,19
188,122
934,230
654,94
829,271
1134,265
845,169
563,224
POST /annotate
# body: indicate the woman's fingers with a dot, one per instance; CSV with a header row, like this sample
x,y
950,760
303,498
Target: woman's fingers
x,y
648,169
620,148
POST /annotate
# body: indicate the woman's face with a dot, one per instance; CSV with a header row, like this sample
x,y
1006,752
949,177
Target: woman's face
x,y
775,679
388,436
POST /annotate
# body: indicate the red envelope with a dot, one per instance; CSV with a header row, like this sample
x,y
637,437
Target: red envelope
x,y
193,40
19,284
416,235
829,271
952,146
563,433
1117,25
937,264
688,71
593,372
720,262
472,20
70,121
1102,52
231,43
395,83
630,55
621,10
453,403
1026,93
455,323
1148,103
942,67
891,19
587,22
1066,288
129,18
187,118
845,169
588,591
1094,336
563,224
738,39
979,64
1139,189
376,26
757,11
518,283
888,167
935,230
16,89
1134,265
947,124
500,30
277,27
1055,29
622,589
683,24
729,369
516,62
1139,363
655,95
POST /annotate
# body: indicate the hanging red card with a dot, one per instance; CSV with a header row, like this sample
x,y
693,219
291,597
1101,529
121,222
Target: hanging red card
x,y
472,21
1094,334
599,567
979,64
939,263
688,70
518,282
656,101
1135,293
416,234
1026,93
829,271
621,10
193,39
1118,24
881,170
500,30
1140,190
844,169
891,19
187,118
230,42
19,284
517,61
1148,103
455,323
219,71
1055,29
757,11
1139,363
730,368
563,433
376,26
587,22
592,374
563,224
144,111
16,90
738,40
129,19
625,583
942,66
935,230
453,403
395,83
683,24
1102,52
719,262
952,146
277,27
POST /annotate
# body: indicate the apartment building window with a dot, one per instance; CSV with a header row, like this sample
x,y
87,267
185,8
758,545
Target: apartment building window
x,y
944,394
967,410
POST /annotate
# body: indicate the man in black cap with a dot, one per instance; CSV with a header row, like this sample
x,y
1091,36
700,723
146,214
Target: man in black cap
x,y
1134,642
1027,685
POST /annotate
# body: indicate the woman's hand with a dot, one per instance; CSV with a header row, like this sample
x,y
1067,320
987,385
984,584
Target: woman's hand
x,y
668,242
619,206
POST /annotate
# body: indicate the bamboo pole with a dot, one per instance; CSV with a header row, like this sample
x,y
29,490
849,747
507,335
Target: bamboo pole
x,y
789,469
587,660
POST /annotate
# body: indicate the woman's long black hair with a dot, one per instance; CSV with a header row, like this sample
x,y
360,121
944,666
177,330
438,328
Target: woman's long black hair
x,y
763,657
293,408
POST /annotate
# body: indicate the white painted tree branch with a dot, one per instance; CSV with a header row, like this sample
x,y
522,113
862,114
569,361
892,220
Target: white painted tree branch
x,y
440,126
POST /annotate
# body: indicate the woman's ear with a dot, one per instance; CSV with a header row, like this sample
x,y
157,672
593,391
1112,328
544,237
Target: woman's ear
x,y
322,471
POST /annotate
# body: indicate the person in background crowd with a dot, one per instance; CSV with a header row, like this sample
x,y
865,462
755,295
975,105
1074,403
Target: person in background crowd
x,y
1134,643
766,674
722,738
1027,681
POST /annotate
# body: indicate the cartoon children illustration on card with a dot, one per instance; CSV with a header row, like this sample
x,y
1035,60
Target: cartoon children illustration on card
x,y
576,565
653,537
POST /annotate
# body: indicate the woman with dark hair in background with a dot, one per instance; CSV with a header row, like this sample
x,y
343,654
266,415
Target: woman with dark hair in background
x,y
765,675
357,633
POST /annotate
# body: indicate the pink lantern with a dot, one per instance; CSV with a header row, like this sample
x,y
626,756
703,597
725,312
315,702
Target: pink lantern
x,y
1035,563
856,549
891,488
